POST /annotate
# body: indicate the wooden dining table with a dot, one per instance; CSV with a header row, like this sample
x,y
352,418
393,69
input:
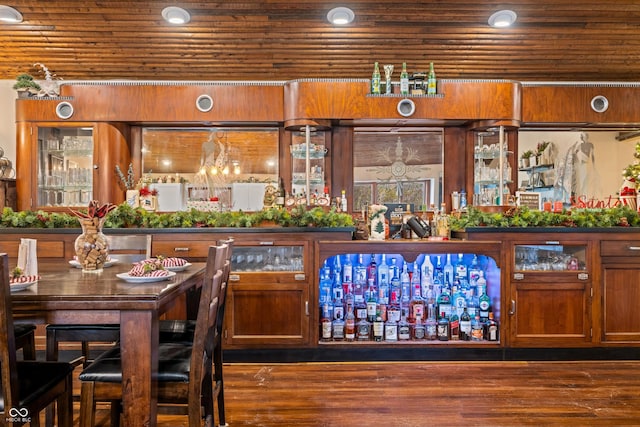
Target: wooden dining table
x,y
67,295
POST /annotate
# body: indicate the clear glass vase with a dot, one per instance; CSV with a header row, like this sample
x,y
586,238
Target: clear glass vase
x,y
92,249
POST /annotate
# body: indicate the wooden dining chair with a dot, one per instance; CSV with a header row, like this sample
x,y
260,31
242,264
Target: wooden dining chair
x,y
129,249
28,386
25,337
182,331
184,370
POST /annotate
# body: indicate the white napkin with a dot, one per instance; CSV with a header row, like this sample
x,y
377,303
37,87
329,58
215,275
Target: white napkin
x,y
27,257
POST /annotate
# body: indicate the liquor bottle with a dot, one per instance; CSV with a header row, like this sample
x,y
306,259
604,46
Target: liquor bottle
x,y
372,271
337,269
359,279
404,329
347,270
372,302
443,328
325,321
383,280
461,271
375,80
492,329
438,274
404,80
391,330
343,194
484,305
416,309
459,300
325,285
363,330
394,274
481,284
418,331
444,303
454,326
426,274
448,270
338,328
474,272
476,329
431,324
378,329
431,81
393,311
350,324
465,326
472,304
405,284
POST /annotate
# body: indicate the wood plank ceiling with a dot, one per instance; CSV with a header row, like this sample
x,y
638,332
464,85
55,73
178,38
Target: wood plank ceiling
x,y
553,40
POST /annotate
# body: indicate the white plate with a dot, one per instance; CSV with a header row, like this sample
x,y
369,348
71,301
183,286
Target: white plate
x,y
109,263
15,287
178,267
144,279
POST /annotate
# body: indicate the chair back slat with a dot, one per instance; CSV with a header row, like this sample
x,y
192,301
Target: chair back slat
x,y
10,391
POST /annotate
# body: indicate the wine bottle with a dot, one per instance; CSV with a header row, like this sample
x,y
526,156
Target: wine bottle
x,y
375,80
431,81
404,80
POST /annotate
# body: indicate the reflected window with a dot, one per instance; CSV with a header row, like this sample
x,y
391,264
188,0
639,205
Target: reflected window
x,y
398,167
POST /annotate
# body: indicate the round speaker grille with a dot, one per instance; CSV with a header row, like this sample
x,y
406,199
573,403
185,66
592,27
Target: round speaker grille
x,y
204,103
406,107
64,110
599,104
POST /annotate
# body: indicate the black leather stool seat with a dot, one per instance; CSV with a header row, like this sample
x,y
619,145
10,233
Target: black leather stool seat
x,y
66,327
173,365
177,331
36,378
21,329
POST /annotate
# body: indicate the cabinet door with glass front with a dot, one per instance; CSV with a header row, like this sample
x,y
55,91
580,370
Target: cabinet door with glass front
x,y
550,294
268,295
64,167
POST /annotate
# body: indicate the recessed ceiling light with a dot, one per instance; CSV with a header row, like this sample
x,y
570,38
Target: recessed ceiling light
x,y
340,15
502,18
175,15
10,15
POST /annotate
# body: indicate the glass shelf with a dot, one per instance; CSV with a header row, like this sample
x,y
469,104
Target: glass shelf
x,y
267,259
550,257
65,166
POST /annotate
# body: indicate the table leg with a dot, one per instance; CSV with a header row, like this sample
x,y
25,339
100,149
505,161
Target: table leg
x,y
139,343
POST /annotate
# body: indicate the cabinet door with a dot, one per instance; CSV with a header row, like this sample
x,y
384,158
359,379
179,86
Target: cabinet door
x,y
550,291
268,295
621,301
308,164
64,166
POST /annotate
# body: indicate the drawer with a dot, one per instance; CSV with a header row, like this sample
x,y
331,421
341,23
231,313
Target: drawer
x,y
44,249
623,248
183,249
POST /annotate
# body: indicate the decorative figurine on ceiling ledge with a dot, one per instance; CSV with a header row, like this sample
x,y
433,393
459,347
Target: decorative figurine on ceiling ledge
x,y
49,86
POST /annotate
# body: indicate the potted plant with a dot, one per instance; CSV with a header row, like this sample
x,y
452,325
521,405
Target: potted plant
x,y
26,86
525,159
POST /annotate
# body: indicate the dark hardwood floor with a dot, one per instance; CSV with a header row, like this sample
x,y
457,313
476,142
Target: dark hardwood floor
x,y
399,394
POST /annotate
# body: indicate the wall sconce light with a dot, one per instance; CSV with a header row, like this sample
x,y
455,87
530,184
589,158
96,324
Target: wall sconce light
x,y
10,15
175,15
340,16
503,19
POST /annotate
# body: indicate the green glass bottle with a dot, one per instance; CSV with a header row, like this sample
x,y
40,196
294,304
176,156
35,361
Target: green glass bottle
x,y
404,80
431,81
375,80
